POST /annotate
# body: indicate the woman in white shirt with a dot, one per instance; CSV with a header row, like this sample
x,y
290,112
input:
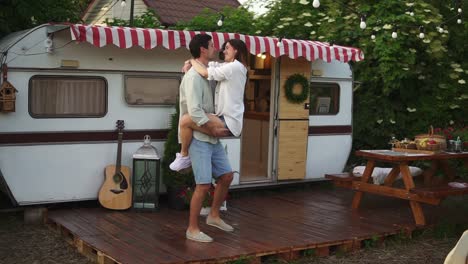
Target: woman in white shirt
x,y
229,99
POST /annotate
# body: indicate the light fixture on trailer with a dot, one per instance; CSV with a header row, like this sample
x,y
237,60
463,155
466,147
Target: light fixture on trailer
x,y
48,43
123,3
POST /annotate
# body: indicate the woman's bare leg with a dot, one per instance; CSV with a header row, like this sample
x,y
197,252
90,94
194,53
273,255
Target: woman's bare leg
x,y
187,126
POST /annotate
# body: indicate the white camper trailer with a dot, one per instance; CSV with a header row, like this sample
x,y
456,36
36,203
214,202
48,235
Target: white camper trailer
x,y
74,82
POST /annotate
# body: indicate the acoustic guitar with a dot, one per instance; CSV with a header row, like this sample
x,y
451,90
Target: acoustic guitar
x,y
116,192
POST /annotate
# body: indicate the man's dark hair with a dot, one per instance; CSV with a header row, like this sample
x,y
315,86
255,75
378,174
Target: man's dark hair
x,y
198,41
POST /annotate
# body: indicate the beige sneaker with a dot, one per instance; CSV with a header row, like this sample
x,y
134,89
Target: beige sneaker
x,y
199,237
219,223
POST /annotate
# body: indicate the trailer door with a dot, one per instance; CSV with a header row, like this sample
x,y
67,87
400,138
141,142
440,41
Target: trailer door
x,y
292,124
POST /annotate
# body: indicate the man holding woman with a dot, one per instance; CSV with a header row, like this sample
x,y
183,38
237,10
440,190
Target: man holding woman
x,y
206,153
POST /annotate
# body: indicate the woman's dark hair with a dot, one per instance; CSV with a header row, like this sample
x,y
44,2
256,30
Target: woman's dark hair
x,y
221,52
198,41
241,48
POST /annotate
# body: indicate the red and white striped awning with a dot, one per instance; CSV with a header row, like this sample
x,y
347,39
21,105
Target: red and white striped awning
x,y
124,37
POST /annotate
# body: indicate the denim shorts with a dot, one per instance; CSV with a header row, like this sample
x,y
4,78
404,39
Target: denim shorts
x,y
208,160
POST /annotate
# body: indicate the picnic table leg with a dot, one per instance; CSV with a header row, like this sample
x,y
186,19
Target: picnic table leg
x,y
365,178
416,208
391,177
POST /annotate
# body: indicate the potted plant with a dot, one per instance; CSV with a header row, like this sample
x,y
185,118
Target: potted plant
x,y
176,183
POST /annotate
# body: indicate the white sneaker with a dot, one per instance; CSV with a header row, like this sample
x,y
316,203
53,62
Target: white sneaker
x,y
180,162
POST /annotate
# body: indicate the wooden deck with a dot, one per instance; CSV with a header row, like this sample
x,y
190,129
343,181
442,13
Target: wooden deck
x,y
274,223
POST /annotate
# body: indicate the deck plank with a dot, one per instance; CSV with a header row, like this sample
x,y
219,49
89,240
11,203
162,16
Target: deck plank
x,y
268,224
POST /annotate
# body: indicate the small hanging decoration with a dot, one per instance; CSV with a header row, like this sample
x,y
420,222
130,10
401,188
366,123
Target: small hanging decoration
x,y
7,94
293,80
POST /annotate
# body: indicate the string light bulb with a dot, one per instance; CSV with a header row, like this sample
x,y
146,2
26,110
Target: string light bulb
x,y
280,42
363,25
221,20
441,29
459,20
394,34
421,32
411,12
123,3
316,3
459,10
372,36
263,56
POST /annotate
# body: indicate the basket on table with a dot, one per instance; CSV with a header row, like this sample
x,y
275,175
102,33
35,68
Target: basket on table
x,y
441,142
405,144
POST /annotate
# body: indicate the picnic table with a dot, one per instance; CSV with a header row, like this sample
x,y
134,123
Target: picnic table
x,y
432,191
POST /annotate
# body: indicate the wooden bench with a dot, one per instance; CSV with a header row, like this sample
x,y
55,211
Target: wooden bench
x,y
441,191
344,180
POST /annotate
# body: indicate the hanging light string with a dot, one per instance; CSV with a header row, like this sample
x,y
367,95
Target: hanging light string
x,y
221,15
422,29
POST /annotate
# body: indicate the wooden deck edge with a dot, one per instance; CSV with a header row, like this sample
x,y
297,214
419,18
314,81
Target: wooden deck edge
x,y
286,254
90,252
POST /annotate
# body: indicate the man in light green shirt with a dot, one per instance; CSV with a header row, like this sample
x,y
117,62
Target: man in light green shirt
x,y
206,153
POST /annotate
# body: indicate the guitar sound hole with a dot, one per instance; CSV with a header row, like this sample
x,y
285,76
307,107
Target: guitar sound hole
x,y
116,191
118,177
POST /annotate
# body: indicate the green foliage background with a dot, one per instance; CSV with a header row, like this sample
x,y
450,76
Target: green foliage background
x,y
16,15
405,84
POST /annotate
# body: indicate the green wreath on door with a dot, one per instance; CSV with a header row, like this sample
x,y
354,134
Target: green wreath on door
x,y
289,86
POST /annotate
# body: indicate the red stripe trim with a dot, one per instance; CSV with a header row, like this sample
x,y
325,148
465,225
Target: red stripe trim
x,y
96,36
159,38
216,43
109,39
134,36
320,130
147,39
295,52
257,45
171,39
78,136
82,30
121,34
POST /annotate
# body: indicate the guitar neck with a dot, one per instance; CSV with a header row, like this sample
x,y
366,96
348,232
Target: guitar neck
x,y
119,153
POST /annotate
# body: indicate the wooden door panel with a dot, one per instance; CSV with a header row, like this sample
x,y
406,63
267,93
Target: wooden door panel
x,y
289,67
293,124
292,149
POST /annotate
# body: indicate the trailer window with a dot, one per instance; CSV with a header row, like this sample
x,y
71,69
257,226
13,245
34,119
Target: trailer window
x,y
152,90
67,96
324,98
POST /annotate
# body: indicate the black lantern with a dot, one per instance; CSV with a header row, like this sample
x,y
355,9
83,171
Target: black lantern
x,y
146,175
